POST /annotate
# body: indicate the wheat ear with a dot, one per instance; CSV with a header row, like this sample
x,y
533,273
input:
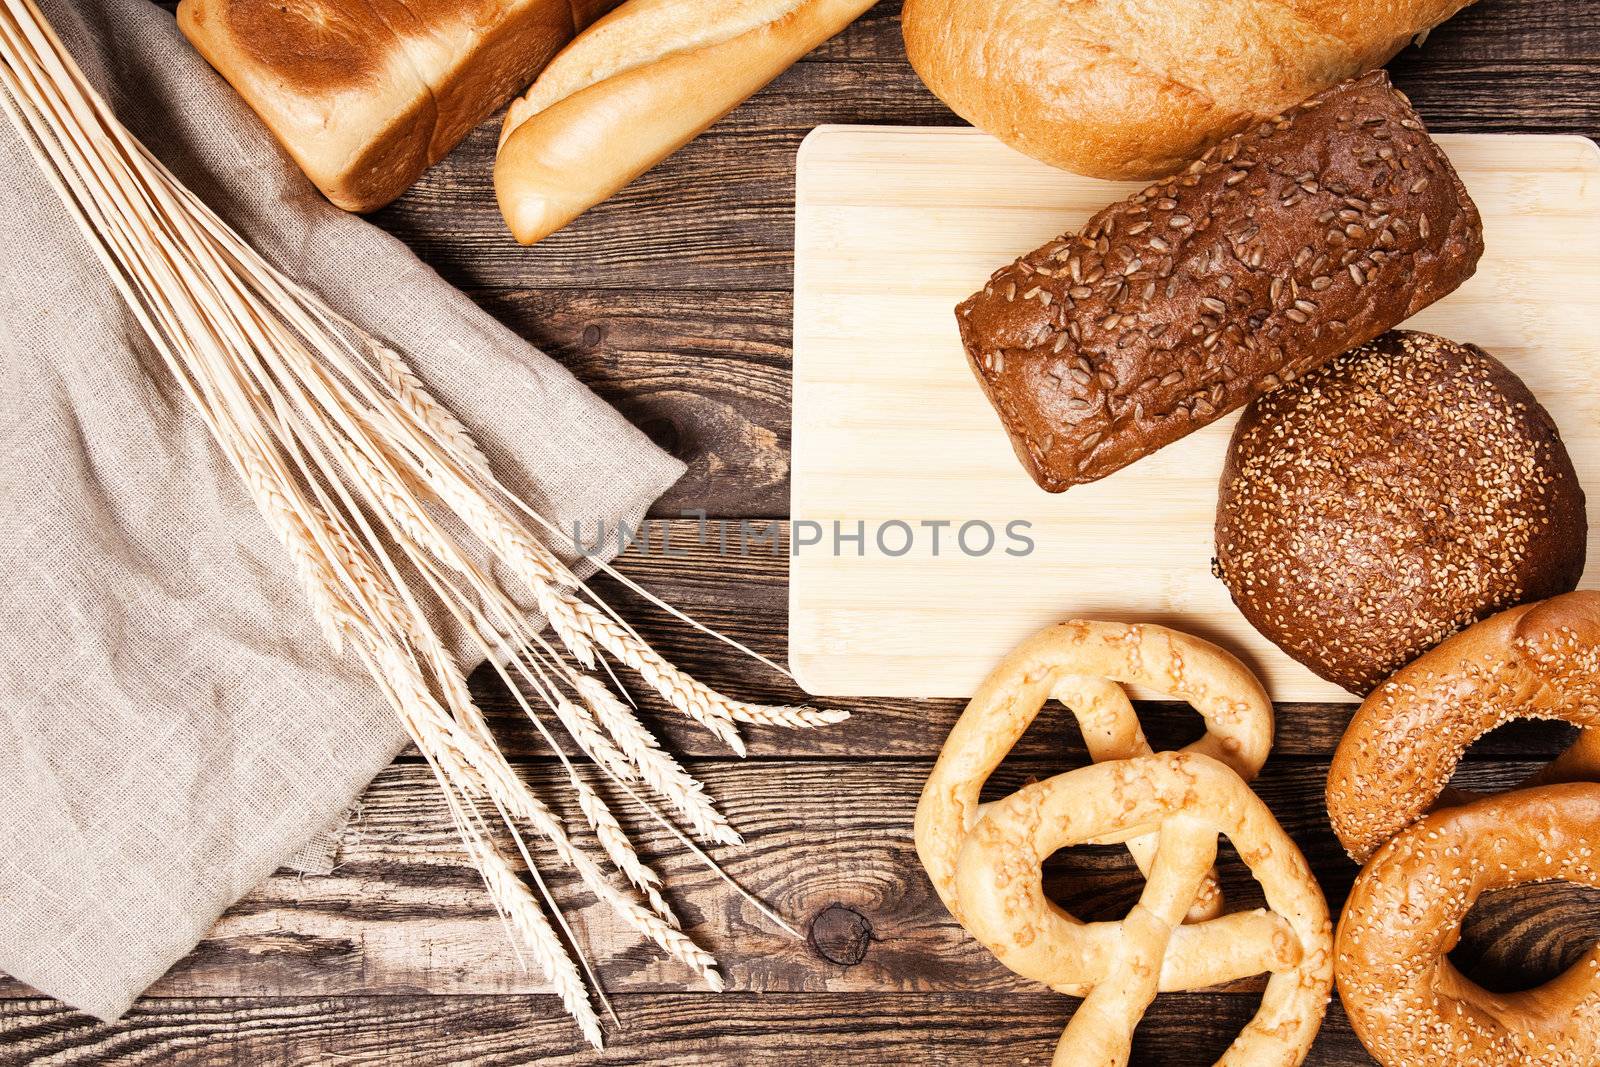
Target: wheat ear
x,y
657,768
613,840
514,900
362,475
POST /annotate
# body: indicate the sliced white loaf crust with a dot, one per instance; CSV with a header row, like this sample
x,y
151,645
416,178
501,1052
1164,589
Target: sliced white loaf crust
x,y
367,94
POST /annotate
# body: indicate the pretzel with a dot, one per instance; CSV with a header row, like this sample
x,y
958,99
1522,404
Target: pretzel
x,y
1187,798
984,859
1536,661
1406,1001
1080,664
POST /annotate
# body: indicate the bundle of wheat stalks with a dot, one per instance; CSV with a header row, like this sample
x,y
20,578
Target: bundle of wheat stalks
x,y
389,513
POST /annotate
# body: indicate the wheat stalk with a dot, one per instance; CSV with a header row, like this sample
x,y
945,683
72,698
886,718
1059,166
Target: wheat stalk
x,y
655,765
388,511
522,913
522,909
624,746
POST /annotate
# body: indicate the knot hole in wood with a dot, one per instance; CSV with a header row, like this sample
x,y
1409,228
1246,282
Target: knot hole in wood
x,y
841,935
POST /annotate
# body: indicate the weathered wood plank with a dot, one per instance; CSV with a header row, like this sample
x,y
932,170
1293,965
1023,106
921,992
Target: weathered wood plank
x,y
704,371
720,213
829,846
705,374
738,1030
1502,96
745,596
1489,30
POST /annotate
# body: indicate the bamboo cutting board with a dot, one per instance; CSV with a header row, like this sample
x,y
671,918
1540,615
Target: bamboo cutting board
x,y
895,226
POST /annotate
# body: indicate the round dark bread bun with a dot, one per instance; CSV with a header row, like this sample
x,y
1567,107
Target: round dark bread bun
x,y
1378,505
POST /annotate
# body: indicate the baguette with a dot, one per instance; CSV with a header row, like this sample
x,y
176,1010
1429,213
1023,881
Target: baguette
x,y
1281,248
636,87
366,96
1134,90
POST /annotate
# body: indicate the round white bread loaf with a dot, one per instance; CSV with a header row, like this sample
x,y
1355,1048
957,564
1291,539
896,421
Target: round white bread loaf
x,y
1134,89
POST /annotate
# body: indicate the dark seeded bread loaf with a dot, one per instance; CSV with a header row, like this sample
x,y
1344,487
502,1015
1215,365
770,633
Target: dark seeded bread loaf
x,y
1282,247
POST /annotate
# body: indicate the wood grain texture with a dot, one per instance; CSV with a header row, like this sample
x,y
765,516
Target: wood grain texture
x,y
735,1030
673,301
705,374
830,848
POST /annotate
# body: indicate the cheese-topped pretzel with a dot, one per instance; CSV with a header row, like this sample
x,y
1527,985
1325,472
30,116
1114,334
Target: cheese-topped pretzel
x,y
1080,664
1187,799
1406,1001
1535,661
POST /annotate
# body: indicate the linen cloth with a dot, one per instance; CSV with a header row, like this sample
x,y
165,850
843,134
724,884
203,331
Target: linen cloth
x,y
172,726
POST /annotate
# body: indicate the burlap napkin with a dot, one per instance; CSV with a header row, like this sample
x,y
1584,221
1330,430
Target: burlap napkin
x,y
173,728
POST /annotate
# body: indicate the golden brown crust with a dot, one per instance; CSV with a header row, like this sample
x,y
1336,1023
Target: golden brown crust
x,y
1281,248
1387,500
319,54
984,859
1188,799
367,95
1117,89
1405,1000
636,87
1534,661
1083,665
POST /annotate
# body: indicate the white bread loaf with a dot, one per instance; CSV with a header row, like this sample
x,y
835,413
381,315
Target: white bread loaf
x,y
637,86
1135,89
366,96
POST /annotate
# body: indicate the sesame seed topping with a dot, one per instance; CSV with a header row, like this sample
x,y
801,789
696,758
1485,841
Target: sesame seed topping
x,y
1391,498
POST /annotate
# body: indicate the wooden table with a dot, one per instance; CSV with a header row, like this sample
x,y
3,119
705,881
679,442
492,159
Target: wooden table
x,y
673,301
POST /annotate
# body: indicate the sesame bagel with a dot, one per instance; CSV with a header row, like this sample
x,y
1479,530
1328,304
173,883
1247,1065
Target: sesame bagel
x,y
1407,1003
1535,661
1380,504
